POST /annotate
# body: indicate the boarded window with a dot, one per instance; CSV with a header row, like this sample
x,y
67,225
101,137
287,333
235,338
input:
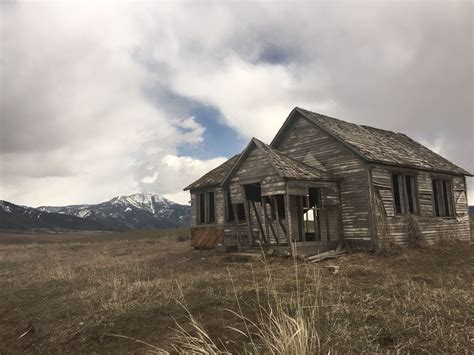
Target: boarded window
x,y
206,208
405,195
442,198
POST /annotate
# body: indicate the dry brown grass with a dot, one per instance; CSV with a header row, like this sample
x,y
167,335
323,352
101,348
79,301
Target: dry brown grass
x,y
97,293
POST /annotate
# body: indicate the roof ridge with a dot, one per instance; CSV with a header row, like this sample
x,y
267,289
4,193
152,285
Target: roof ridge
x,y
326,116
354,143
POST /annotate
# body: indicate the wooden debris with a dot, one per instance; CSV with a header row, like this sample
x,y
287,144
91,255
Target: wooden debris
x,y
30,328
327,255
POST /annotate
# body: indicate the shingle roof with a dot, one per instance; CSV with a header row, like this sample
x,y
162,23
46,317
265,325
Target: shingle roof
x,y
378,145
288,167
215,176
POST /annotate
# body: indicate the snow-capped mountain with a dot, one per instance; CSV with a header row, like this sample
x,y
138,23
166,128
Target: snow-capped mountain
x,y
137,211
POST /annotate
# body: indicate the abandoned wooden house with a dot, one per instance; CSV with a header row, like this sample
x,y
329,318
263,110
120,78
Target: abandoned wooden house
x,y
323,180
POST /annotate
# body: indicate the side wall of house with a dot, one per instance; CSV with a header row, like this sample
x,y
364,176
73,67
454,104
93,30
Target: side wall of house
x,y
399,229
208,235
304,140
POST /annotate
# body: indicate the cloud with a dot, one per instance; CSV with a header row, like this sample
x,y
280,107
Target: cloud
x,y
96,98
75,120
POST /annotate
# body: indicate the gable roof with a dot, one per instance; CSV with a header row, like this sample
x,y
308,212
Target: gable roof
x,y
215,176
285,166
376,145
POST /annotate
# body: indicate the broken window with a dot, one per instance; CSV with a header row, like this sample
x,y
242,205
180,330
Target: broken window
x,y
442,198
206,208
311,224
404,193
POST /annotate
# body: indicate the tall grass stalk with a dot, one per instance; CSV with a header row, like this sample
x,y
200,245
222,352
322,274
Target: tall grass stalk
x,y
280,326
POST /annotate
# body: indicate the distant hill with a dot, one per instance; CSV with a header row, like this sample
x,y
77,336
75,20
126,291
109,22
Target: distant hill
x,y
471,210
137,211
23,218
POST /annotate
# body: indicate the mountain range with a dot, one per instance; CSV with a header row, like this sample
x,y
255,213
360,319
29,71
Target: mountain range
x,y
137,211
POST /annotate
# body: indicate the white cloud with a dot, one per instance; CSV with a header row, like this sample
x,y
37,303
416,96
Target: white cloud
x,y
75,120
78,122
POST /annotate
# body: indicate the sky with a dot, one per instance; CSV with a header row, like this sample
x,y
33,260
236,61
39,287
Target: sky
x,y
104,98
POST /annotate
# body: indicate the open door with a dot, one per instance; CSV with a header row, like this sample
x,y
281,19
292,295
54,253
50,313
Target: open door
x,y
311,226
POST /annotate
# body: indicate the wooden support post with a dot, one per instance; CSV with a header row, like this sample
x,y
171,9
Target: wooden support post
x,y
239,239
289,235
274,212
265,218
319,203
301,215
268,222
248,217
315,222
257,216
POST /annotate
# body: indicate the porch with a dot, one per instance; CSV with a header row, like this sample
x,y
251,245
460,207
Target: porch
x,y
298,217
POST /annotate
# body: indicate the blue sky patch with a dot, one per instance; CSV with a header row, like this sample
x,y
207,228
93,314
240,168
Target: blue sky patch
x,y
219,139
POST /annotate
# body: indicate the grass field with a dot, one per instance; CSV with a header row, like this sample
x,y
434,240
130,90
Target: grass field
x,y
78,293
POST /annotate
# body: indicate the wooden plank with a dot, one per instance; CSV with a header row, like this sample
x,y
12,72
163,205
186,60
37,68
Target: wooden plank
x,y
289,235
280,223
263,237
328,255
270,223
206,237
300,215
239,237
267,227
248,217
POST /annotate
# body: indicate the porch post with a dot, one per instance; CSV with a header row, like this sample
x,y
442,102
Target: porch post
x,y
247,216
289,221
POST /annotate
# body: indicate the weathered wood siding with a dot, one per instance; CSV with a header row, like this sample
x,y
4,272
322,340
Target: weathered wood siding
x,y
219,205
206,237
304,137
209,234
395,228
255,168
193,209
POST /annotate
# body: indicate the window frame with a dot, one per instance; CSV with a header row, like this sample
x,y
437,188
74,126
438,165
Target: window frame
x,y
441,198
403,193
203,199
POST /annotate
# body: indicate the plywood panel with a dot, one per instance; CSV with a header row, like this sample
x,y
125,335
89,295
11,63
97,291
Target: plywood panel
x,y
206,237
